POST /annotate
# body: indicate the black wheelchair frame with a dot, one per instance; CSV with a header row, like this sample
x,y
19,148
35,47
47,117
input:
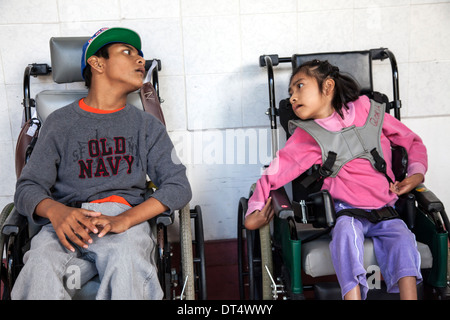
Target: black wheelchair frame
x,y
187,281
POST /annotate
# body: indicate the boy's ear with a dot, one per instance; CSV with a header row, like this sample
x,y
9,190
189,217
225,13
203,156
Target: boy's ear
x,y
95,63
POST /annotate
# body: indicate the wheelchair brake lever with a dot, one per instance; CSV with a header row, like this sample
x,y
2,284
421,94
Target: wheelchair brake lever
x,y
184,287
276,288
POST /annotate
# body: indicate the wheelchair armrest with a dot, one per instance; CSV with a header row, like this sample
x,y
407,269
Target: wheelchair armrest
x,y
165,218
323,207
14,223
281,203
427,199
406,207
399,162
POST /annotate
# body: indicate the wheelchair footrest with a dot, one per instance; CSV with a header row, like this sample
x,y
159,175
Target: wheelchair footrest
x,y
327,291
332,291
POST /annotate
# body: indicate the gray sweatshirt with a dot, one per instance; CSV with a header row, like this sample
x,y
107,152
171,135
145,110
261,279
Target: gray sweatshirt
x,y
82,156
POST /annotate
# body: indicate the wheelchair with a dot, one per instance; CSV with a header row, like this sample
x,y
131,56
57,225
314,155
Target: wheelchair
x,y
290,257
181,273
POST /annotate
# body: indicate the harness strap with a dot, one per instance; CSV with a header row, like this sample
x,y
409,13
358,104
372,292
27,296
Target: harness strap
x,y
380,164
325,170
374,216
340,147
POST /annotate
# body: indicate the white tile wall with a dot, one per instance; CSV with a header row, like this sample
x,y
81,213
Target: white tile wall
x,y
326,30
212,84
274,33
86,10
5,120
26,12
383,27
203,8
213,101
430,32
147,9
211,44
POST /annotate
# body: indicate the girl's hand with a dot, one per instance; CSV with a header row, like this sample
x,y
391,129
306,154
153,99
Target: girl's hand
x,y
257,218
407,184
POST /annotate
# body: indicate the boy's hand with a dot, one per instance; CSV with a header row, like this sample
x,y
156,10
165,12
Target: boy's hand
x,y
257,218
135,215
114,224
69,223
407,184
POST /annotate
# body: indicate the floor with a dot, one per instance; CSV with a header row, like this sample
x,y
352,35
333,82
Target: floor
x,y
222,270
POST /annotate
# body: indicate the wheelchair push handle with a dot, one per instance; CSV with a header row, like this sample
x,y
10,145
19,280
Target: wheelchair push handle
x,y
274,58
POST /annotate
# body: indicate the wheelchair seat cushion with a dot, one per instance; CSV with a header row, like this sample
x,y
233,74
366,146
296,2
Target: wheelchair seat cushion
x,y
316,256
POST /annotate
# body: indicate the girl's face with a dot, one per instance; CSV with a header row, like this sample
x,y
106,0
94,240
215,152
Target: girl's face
x,y
308,102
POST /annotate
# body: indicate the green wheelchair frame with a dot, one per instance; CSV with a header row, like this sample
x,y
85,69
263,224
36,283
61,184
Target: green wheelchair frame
x,y
270,262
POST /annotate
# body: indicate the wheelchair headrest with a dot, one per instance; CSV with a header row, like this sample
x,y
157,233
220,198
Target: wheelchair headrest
x,y
357,64
66,58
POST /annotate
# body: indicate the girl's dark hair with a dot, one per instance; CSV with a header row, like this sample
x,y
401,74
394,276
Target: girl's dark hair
x,y
346,88
87,73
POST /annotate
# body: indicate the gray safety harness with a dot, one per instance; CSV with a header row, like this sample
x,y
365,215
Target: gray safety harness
x,y
340,147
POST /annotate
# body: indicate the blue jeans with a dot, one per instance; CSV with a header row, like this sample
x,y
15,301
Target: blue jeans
x,y
124,263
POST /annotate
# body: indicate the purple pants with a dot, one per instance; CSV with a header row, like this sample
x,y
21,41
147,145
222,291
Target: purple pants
x,y
395,250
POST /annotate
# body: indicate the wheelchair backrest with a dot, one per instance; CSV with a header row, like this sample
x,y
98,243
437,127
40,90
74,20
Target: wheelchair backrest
x,y
357,64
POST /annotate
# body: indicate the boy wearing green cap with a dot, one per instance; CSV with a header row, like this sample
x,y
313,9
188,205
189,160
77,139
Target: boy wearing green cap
x,y
86,179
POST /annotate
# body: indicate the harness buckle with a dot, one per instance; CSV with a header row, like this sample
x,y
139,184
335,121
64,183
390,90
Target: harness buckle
x,y
385,213
325,172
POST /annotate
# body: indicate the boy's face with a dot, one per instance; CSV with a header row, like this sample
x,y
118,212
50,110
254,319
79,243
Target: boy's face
x,y
125,68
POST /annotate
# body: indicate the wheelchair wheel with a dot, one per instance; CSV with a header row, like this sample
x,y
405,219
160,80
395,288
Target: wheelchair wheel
x,y
3,271
266,261
249,258
199,254
163,260
187,264
184,276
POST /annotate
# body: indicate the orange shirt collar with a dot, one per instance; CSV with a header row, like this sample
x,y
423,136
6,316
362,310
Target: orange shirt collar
x,y
87,108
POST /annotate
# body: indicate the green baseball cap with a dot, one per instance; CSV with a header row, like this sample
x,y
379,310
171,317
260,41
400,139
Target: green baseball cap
x,y
106,36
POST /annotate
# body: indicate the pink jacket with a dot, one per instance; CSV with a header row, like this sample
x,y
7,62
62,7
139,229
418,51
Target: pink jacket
x,y
358,183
